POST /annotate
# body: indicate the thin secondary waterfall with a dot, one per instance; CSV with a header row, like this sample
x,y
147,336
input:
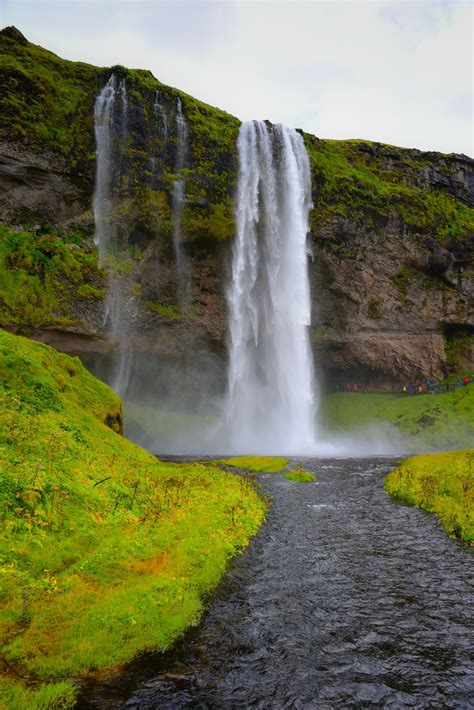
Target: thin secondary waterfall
x,y
179,183
160,131
111,118
103,119
271,390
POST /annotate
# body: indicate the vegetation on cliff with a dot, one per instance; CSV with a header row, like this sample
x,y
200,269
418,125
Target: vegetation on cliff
x,y
441,421
370,184
41,274
442,484
105,550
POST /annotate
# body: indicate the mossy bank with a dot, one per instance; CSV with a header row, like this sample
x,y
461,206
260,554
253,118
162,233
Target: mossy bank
x,y
442,484
105,550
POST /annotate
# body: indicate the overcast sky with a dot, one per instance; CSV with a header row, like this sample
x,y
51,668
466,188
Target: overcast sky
x,y
398,72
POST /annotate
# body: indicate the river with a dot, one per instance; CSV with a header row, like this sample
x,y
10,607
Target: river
x,y
345,599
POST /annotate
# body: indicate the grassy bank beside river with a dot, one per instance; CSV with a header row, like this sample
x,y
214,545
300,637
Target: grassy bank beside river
x,y
442,484
105,551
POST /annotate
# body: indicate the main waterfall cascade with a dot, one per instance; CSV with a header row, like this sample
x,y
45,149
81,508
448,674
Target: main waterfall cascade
x,y
110,124
271,388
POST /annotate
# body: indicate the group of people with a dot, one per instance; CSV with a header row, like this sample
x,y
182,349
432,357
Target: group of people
x,y
433,387
420,387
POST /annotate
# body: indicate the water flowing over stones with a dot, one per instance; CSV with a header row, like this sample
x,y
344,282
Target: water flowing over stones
x,y
110,124
271,391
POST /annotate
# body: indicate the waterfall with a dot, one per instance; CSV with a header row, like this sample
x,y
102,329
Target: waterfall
x,y
110,124
271,390
103,119
179,183
160,117
160,131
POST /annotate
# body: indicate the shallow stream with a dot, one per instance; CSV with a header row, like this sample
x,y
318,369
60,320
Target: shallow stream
x,y
345,599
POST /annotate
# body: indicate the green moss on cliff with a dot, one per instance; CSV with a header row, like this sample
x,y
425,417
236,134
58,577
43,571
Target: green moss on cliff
x,y
370,183
40,276
258,464
44,99
105,551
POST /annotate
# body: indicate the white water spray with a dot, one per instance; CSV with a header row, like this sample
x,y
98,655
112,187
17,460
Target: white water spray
x,y
179,183
271,390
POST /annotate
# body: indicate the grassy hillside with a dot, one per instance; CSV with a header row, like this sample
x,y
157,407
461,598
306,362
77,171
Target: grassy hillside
x,y
105,550
441,484
441,421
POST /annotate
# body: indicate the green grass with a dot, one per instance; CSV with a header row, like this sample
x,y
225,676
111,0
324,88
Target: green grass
x,y
46,100
105,551
299,475
441,421
257,464
442,484
40,276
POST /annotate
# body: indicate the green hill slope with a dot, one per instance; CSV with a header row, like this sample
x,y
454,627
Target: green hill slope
x,y
441,484
105,550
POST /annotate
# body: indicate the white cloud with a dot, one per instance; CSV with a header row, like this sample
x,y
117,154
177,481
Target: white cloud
x,y
398,72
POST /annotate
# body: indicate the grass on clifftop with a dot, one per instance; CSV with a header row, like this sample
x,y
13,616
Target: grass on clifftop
x,y
105,551
441,421
441,484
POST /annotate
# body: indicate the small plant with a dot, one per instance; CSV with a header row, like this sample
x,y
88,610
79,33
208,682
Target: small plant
x,y
259,464
300,475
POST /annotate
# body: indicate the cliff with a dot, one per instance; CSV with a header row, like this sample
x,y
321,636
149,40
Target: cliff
x,y
391,236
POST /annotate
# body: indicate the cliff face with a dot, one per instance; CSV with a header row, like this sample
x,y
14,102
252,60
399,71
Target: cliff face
x,y
391,233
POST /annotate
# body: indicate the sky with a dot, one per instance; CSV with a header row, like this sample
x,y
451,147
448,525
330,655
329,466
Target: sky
x,y
397,72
